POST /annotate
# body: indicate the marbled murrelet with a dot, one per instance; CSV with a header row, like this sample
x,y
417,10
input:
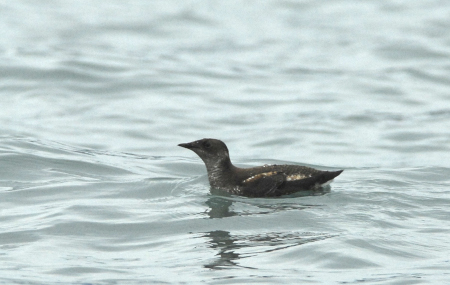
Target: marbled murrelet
x,y
263,181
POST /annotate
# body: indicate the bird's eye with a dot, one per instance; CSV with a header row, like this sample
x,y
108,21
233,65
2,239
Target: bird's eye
x,y
207,144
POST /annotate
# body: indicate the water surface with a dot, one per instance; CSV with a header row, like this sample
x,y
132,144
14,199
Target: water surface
x,y
96,97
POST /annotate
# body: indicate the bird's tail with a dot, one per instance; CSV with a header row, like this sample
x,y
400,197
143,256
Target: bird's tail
x,y
317,180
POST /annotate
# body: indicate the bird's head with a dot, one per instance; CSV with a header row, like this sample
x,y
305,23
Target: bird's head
x,y
211,151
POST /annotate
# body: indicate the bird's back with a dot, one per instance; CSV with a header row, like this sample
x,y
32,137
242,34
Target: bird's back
x,y
277,180
293,172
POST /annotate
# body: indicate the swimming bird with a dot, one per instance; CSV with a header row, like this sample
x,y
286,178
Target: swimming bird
x,y
262,181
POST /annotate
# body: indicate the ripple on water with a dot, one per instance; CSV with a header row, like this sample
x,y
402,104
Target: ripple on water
x,y
96,97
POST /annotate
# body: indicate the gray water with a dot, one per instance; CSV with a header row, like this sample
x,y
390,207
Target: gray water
x,y
96,95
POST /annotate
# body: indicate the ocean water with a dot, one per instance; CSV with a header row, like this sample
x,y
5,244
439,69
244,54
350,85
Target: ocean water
x,y
96,95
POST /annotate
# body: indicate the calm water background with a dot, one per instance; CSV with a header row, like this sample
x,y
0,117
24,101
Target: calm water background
x,y
95,96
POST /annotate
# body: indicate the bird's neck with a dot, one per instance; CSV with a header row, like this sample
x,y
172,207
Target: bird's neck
x,y
221,173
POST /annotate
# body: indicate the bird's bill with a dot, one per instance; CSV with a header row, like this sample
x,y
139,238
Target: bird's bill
x,y
190,145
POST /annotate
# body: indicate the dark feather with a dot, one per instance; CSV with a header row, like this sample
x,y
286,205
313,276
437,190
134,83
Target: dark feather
x,y
263,181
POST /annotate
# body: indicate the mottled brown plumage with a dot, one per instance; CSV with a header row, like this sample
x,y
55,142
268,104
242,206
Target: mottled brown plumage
x,y
262,181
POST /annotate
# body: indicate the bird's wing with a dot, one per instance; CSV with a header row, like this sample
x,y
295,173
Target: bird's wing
x,y
313,181
276,183
264,184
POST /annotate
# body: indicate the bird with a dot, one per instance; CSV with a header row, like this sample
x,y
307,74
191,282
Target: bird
x,y
262,181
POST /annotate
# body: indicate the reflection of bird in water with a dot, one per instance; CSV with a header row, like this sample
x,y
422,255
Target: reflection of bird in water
x,y
219,208
222,241
228,244
264,181
220,205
